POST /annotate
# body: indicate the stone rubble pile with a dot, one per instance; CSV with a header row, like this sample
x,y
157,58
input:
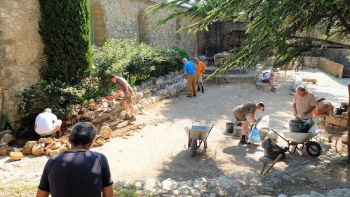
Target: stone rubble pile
x,y
102,110
98,111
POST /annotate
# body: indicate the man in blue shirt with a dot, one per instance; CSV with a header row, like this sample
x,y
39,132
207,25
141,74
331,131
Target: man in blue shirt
x,y
190,72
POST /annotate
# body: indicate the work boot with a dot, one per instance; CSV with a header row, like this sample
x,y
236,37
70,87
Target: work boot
x,y
132,118
244,141
202,90
195,95
127,117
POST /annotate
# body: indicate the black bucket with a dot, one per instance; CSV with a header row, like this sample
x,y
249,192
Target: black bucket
x,y
230,127
299,126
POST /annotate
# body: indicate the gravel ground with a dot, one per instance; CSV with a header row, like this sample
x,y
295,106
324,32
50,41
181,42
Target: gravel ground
x,y
159,149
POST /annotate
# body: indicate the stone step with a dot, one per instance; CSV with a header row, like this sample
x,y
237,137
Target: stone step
x,y
234,76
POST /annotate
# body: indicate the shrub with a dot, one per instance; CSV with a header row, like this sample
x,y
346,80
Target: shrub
x,y
65,31
58,96
136,62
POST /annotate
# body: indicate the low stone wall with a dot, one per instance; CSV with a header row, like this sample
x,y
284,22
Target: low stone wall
x,y
321,63
330,67
102,110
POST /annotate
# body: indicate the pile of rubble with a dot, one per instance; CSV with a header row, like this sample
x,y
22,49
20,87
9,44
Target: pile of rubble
x,y
98,111
101,110
50,146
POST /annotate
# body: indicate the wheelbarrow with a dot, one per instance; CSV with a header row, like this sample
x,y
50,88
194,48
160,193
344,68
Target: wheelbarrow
x,y
297,141
198,134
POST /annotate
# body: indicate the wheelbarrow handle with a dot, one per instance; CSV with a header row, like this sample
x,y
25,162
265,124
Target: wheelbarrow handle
x,y
279,135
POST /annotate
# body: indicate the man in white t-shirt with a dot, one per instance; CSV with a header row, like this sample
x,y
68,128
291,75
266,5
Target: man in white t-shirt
x,y
46,123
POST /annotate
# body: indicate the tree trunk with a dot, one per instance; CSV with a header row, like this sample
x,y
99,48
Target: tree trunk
x,y
349,125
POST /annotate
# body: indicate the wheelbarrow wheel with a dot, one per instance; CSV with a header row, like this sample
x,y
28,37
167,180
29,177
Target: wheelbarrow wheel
x,y
313,149
194,147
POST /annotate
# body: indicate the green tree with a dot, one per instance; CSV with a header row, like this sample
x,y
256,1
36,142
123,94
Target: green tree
x,y
65,31
277,26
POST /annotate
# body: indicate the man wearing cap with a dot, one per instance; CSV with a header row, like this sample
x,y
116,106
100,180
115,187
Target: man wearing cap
x,y
304,103
190,72
247,113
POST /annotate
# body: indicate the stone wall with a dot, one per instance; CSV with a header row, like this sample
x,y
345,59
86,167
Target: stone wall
x,y
221,37
338,55
127,19
20,51
321,63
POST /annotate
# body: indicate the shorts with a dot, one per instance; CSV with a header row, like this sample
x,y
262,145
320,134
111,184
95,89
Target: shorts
x,y
200,79
239,116
265,81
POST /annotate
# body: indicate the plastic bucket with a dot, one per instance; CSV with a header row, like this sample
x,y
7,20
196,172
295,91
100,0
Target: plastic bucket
x,y
230,127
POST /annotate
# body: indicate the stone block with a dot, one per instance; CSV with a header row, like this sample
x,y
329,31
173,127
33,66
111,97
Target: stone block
x,y
331,68
38,149
27,149
7,138
48,140
340,121
16,156
345,138
105,132
4,149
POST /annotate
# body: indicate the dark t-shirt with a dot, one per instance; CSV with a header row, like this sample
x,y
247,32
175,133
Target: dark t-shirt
x,y
75,174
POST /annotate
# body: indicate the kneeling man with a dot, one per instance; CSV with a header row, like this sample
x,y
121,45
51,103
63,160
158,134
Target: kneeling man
x,y
47,124
247,113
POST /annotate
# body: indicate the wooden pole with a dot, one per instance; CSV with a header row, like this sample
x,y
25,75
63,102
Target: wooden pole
x,y
263,168
349,125
273,163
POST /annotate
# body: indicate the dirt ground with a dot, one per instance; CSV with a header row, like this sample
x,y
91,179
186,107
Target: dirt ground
x,y
159,149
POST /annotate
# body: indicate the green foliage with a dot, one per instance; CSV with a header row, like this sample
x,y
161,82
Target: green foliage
x,y
4,124
277,26
125,192
65,31
136,62
58,96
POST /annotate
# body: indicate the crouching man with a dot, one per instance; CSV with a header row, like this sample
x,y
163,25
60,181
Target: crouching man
x,y
47,124
245,114
77,172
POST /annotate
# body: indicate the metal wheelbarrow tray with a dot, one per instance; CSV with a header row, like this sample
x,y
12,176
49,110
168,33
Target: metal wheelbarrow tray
x,y
198,134
297,141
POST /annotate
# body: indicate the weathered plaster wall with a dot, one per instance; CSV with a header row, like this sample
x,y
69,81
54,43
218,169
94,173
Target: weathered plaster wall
x,y
127,19
221,37
20,51
98,15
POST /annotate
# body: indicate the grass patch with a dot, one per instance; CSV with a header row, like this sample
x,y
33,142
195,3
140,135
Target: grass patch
x,y
125,192
22,189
